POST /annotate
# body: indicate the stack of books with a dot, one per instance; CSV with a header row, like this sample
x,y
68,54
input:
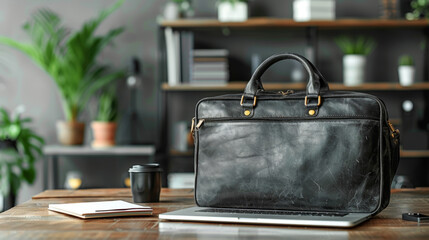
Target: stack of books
x,y
210,66
186,65
306,10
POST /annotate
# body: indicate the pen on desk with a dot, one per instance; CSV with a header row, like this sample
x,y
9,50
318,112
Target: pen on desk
x,y
121,209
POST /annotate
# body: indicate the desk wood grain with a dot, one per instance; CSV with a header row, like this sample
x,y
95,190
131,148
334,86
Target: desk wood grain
x,y
32,220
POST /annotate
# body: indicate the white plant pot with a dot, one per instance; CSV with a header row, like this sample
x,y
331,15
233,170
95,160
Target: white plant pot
x,y
354,69
171,11
236,12
406,75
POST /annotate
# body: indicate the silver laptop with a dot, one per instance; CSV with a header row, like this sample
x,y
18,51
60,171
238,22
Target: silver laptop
x,y
257,216
191,230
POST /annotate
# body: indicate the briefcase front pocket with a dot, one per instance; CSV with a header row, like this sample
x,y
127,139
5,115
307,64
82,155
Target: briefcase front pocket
x,y
289,164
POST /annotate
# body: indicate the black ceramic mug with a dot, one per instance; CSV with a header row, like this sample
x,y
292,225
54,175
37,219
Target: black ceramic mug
x,y
145,182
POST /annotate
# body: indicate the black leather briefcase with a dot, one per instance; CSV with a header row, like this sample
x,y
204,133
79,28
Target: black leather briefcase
x,y
316,150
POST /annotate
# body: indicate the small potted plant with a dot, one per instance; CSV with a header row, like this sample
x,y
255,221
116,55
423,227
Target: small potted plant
x,y
175,9
406,70
70,58
104,127
420,9
19,148
355,51
232,10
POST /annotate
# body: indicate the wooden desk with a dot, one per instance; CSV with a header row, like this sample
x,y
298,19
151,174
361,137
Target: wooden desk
x,y
32,220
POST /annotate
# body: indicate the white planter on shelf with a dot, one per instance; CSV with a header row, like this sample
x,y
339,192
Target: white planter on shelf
x,y
354,69
232,12
406,75
171,11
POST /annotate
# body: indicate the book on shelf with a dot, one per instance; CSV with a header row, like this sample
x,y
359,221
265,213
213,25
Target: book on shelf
x,y
306,10
210,53
210,75
101,209
210,67
172,41
187,48
186,65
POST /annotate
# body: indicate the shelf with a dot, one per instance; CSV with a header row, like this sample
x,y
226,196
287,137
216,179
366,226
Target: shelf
x,y
134,150
284,22
239,86
414,153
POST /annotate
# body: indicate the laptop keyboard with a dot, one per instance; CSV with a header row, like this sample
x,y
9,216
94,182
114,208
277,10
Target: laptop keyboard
x,y
271,212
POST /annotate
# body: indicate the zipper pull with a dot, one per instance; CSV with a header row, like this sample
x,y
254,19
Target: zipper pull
x,y
196,127
286,93
199,124
392,129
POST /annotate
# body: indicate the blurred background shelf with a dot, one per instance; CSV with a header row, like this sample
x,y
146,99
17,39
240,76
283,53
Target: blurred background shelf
x,y
239,86
415,153
280,22
260,37
53,152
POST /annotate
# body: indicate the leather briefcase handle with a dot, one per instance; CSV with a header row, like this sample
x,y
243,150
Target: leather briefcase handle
x,y
316,81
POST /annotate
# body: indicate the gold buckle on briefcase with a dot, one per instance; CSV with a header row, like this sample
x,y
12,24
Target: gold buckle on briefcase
x,y
242,100
319,100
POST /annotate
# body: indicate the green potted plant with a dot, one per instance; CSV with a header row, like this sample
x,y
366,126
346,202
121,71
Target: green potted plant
x,y
355,51
406,70
71,60
232,10
104,127
19,148
420,10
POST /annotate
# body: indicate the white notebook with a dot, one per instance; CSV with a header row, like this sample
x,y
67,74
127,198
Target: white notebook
x,y
101,209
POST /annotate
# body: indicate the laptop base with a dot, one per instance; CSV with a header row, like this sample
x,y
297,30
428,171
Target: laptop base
x,y
200,215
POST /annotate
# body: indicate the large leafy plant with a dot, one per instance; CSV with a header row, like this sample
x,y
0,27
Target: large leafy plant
x,y
69,58
17,161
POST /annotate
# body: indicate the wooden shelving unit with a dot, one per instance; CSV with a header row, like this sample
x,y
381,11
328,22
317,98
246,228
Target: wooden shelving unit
x,y
282,22
312,35
239,86
415,153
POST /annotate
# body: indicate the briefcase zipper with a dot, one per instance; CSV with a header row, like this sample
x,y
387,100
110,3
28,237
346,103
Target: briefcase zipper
x,y
196,127
203,120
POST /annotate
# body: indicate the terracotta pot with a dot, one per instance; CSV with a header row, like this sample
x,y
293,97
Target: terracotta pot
x,y
70,133
104,134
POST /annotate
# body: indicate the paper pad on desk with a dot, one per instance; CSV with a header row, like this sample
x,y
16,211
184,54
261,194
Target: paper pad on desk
x,y
101,209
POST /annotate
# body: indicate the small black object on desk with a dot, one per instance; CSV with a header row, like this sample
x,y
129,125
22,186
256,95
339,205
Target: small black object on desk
x,y
415,217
